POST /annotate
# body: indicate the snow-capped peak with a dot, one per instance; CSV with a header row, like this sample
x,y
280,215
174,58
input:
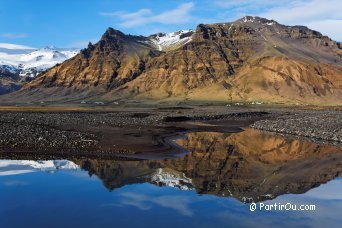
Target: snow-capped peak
x,y
171,40
257,21
248,19
29,61
50,47
14,167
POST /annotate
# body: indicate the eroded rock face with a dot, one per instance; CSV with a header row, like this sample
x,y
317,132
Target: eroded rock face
x,y
116,59
7,85
250,166
251,59
10,80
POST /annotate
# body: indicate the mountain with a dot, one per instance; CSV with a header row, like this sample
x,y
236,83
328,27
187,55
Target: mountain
x,y
20,64
249,60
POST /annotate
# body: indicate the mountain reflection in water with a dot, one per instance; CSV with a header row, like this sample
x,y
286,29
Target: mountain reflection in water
x,y
251,166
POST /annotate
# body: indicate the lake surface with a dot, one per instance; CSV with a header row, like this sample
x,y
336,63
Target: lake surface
x,y
213,185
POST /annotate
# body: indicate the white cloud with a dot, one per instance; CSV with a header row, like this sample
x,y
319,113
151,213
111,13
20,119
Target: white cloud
x,y
331,28
145,202
323,16
248,4
125,15
307,11
329,191
179,15
13,46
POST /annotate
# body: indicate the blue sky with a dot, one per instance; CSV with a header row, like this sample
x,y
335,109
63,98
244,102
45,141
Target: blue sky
x,y
73,23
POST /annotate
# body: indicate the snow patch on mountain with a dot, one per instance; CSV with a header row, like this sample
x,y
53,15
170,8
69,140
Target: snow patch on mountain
x,y
15,167
28,62
248,19
165,178
257,21
9,68
175,39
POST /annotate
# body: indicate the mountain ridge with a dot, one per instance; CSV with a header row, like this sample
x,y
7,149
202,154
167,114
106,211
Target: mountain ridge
x,y
251,59
20,64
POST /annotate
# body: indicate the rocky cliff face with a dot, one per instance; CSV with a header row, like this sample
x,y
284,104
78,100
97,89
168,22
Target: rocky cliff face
x,y
8,81
251,59
116,59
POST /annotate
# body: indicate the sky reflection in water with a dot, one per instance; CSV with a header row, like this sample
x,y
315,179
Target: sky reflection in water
x,y
60,194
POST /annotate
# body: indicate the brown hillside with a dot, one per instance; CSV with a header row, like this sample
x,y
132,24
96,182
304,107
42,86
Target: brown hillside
x,y
251,59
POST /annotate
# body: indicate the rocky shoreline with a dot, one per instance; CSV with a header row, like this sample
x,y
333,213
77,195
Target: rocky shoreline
x,y
318,126
129,132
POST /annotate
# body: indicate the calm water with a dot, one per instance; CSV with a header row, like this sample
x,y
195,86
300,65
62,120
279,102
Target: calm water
x,y
212,186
